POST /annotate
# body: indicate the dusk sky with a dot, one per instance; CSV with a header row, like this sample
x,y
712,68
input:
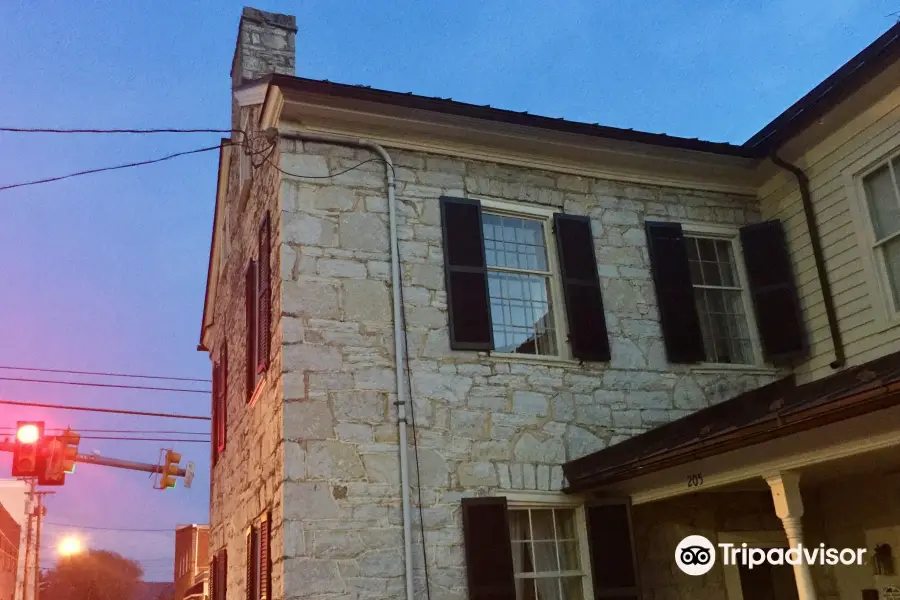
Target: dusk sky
x,y
107,272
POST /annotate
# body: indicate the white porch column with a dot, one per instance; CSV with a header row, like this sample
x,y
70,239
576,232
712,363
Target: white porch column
x,y
785,488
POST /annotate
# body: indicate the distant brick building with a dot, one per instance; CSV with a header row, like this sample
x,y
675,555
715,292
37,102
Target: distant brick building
x,y
191,558
10,533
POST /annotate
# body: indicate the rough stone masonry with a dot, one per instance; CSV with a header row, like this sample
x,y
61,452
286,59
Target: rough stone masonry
x,y
481,423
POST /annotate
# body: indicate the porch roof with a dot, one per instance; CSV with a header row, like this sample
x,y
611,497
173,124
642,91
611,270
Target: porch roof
x,y
772,411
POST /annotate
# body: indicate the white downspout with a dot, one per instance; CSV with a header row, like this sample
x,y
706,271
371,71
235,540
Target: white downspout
x,y
399,333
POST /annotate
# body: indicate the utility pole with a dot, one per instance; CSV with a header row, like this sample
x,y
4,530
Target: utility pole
x,y
31,493
39,514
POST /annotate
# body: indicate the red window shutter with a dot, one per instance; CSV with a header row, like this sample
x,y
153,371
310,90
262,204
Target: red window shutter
x,y
222,411
213,575
223,588
250,305
215,413
251,565
265,559
264,302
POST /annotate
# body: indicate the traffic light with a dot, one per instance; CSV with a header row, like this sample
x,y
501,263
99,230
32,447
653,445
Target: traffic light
x,y
62,451
169,470
27,460
52,473
70,441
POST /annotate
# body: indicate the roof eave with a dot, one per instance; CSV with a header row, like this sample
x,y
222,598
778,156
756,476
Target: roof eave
x,y
221,187
487,113
840,85
776,426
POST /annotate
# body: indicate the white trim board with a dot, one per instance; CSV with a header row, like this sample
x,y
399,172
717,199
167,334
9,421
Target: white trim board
x,y
871,432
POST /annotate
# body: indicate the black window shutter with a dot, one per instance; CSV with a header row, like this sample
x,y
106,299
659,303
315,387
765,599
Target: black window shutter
x,y
465,273
611,543
264,303
588,336
250,311
774,291
488,550
674,292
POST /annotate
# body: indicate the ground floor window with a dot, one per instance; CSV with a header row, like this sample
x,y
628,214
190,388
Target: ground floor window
x,y
546,551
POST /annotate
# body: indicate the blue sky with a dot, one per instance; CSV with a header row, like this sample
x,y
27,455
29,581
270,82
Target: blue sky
x,y
107,272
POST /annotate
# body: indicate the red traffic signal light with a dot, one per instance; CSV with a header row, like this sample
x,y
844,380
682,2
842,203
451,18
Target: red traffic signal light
x,y
28,433
26,456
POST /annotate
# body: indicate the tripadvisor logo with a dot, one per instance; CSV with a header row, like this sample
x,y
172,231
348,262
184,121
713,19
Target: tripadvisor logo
x,y
696,555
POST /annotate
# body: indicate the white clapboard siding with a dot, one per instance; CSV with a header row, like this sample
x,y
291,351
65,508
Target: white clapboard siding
x,y
872,135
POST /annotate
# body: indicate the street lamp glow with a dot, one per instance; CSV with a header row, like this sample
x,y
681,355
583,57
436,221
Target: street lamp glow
x,y
69,545
28,434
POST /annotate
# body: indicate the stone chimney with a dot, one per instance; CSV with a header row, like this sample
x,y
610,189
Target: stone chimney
x,y
265,45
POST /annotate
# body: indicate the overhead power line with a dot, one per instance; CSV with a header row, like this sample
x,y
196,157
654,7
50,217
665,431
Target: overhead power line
x,y
105,131
102,373
137,413
102,169
145,431
138,439
91,527
143,439
106,385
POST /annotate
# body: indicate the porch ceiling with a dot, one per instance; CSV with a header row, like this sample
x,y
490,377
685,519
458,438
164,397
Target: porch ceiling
x,y
767,413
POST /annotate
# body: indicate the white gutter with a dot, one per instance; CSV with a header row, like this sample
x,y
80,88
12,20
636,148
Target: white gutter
x,y
399,333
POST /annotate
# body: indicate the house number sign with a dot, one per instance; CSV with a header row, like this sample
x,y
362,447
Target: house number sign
x,y
695,480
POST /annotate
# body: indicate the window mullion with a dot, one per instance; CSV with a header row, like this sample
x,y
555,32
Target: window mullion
x,y
502,269
887,239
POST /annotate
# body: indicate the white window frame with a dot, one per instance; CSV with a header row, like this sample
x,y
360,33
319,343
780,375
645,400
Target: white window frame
x,y
537,500
732,236
875,271
560,325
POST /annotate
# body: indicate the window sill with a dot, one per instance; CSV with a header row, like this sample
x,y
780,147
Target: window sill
x,y
529,359
714,368
257,391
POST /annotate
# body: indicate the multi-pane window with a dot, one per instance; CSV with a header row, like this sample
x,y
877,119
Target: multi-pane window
x,y
883,201
720,300
546,557
519,285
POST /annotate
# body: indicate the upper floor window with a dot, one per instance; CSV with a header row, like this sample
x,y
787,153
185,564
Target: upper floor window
x,y
720,300
520,285
883,201
725,296
512,290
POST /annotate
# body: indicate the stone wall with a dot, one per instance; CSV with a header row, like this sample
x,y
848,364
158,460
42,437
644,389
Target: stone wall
x,y
482,423
246,482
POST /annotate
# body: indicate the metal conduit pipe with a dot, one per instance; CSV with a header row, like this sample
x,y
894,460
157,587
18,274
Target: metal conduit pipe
x,y
399,333
819,258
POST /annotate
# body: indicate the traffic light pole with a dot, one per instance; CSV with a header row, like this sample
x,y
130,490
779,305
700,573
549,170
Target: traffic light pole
x,y
28,542
92,459
37,544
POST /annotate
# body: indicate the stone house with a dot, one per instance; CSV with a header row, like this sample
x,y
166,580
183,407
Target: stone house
x,y
461,352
